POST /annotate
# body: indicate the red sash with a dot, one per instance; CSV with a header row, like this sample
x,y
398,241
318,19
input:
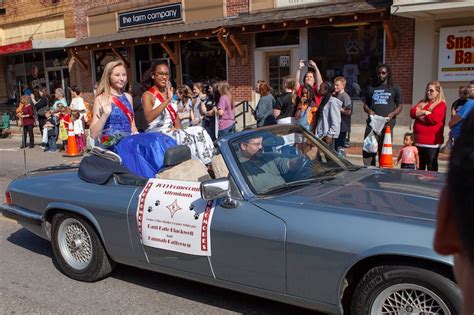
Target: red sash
x,y
117,102
153,90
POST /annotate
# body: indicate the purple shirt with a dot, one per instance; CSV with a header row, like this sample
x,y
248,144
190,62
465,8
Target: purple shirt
x,y
227,119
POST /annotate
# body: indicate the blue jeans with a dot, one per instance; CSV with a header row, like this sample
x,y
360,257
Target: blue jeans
x,y
227,131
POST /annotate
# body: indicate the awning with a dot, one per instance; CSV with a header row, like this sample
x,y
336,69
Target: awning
x,y
179,31
457,9
152,31
309,12
35,44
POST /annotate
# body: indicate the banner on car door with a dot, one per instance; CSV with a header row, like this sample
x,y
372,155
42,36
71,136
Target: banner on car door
x,y
172,215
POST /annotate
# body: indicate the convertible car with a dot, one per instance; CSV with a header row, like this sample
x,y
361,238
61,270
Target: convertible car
x,y
279,215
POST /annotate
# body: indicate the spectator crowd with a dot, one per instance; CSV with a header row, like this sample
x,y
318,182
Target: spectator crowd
x,y
205,111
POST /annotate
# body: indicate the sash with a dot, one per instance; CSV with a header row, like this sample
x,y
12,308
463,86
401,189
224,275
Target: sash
x,y
153,90
117,102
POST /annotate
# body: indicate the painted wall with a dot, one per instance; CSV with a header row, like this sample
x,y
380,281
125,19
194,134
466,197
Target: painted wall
x,y
426,56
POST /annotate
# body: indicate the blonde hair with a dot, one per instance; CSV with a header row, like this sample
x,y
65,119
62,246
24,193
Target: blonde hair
x,y
440,98
342,80
25,100
104,84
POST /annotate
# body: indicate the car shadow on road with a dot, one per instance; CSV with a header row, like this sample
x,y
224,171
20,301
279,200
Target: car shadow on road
x,y
31,242
187,289
203,293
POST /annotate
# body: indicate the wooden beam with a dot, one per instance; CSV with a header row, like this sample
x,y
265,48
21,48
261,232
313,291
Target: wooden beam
x,y
120,56
173,54
225,45
79,60
237,45
388,31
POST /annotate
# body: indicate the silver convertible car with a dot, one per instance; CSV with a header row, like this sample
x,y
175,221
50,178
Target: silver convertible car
x,y
279,215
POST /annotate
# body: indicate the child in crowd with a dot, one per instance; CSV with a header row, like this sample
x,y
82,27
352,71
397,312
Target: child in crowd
x,y
306,110
63,116
409,153
50,132
185,106
78,130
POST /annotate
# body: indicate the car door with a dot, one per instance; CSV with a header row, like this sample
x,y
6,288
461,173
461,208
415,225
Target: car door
x,y
248,246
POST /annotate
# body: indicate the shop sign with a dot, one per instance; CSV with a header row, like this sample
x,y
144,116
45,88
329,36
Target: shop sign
x,y
150,16
290,3
456,53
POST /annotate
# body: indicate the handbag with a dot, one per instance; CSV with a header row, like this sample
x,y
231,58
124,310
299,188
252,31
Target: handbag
x,y
62,132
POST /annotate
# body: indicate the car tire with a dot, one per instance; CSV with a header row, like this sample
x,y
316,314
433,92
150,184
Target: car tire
x,y
400,289
77,249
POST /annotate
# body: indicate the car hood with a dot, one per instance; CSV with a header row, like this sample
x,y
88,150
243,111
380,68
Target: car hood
x,y
412,194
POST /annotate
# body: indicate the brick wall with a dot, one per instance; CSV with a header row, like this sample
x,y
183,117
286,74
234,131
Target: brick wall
x,y
78,76
80,14
235,7
402,57
240,76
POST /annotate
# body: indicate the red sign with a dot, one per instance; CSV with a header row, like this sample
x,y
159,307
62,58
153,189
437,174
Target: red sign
x,y
17,47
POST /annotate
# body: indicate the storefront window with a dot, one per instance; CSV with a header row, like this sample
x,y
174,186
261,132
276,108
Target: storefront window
x,y
34,68
281,38
56,59
103,57
15,75
353,52
203,60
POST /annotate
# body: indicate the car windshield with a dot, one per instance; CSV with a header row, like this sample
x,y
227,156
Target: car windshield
x,y
278,158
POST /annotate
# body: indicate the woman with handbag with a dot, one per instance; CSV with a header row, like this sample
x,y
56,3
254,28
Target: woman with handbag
x,y
429,115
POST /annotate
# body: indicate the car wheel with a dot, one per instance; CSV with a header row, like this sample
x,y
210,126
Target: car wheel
x,y
78,250
405,290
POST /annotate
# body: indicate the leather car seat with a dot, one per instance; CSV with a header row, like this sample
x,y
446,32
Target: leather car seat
x,y
180,166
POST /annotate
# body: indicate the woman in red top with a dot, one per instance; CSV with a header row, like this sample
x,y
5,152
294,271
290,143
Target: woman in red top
x,y
28,120
429,115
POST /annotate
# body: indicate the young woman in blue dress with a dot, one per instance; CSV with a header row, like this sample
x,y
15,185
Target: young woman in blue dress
x,y
112,116
113,123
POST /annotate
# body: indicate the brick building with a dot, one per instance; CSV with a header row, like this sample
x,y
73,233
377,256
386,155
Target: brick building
x,y
33,35
238,40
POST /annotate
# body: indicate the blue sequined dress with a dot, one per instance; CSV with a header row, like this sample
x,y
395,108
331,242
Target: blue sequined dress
x,y
142,153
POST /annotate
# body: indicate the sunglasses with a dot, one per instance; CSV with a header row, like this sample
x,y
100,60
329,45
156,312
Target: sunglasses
x,y
382,72
430,91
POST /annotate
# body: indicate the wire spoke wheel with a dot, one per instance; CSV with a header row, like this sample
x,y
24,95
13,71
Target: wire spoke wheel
x,y
402,290
407,298
75,244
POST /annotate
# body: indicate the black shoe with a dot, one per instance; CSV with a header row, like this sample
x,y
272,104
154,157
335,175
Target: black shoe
x,y
31,146
22,147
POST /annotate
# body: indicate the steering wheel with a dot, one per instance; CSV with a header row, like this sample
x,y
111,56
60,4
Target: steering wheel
x,y
305,168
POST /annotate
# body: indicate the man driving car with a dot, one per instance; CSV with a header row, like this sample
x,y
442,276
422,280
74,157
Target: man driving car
x,y
265,170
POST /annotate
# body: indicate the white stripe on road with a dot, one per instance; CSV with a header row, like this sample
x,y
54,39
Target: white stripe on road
x,y
10,150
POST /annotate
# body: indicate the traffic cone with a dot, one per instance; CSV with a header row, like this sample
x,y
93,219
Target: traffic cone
x,y
72,150
386,158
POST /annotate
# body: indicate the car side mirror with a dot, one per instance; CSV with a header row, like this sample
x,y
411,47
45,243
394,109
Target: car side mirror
x,y
216,189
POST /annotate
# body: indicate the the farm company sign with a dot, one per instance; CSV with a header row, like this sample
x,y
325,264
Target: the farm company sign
x,y
456,53
150,16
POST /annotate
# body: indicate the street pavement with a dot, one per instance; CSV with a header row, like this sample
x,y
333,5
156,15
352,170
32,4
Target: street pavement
x,y
30,283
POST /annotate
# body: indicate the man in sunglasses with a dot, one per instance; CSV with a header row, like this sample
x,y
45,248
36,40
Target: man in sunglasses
x,y
383,100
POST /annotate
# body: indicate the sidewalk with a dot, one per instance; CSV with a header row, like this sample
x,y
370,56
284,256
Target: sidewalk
x,y
357,139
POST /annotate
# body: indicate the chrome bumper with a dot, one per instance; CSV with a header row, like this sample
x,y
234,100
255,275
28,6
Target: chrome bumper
x,y
21,215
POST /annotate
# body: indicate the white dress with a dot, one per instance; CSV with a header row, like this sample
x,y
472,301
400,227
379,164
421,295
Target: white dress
x,y
196,138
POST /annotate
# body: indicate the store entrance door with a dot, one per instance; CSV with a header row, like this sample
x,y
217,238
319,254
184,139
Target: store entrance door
x,y
278,67
58,78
